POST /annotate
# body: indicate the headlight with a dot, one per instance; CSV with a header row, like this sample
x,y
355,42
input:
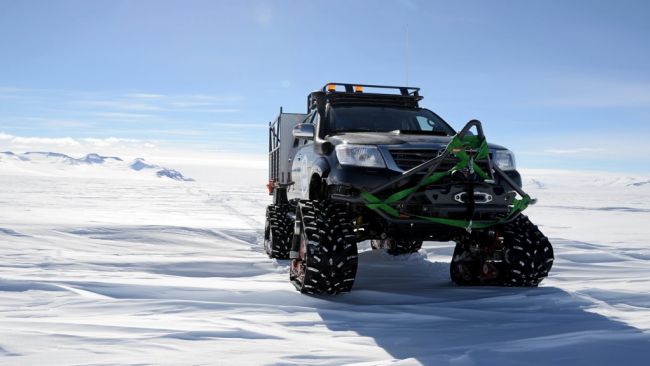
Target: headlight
x,y
360,155
505,160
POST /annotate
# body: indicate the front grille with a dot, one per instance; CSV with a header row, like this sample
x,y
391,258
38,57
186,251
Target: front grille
x,y
407,159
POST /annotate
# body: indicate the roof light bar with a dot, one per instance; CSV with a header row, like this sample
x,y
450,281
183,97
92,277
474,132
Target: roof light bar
x,y
407,91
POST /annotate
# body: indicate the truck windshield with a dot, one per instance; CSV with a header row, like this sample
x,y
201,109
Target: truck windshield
x,y
385,119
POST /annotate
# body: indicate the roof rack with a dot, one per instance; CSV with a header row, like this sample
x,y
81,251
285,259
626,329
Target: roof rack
x,y
357,88
349,93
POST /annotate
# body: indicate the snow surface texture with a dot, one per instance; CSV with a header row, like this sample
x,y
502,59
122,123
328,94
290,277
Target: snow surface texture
x,y
94,165
155,271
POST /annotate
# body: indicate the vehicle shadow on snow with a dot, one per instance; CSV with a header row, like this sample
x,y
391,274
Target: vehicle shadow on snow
x,y
410,308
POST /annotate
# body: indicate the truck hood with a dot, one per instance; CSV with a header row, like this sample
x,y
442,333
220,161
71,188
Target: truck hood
x,y
389,138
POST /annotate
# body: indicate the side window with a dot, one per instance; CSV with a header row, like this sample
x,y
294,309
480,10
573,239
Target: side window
x,y
424,123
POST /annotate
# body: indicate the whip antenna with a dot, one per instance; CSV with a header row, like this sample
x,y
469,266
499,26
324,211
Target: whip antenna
x,y
407,55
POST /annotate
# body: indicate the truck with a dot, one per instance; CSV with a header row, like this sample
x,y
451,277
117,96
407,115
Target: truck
x,y
367,163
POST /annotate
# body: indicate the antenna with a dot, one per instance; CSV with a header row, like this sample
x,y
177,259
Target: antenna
x,y
407,55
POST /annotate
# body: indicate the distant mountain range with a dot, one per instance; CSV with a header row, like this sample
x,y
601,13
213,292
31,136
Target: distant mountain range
x,y
62,160
88,159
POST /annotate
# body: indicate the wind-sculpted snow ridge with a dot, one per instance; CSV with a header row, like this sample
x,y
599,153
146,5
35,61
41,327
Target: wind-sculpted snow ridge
x,y
535,183
548,179
148,272
44,163
639,184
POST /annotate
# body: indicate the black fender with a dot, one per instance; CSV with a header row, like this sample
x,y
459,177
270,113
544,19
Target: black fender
x,y
514,176
321,167
319,172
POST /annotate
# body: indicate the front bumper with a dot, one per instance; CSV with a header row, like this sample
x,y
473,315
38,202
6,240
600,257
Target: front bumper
x,y
350,178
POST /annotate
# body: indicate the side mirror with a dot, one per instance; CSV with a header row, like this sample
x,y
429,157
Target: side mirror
x,y
304,131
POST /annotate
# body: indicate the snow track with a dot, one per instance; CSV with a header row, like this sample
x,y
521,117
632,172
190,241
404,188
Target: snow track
x,y
161,272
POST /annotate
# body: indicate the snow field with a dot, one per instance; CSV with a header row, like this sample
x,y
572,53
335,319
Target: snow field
x,y
154,271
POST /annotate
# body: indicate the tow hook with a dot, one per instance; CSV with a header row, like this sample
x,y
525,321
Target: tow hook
x,y
479,197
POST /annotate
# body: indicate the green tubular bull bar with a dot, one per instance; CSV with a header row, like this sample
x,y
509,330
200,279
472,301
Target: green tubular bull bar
x,y
467,149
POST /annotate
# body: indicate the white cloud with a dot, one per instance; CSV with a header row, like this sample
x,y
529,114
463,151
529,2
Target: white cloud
x,y
241,125
124,116
67,108
596,93
11,89
47,141
69,145
214,110
110,141
175,132
118,104
161,119
190,104
202,100
53,122
199,160
151,102
145,96
578,150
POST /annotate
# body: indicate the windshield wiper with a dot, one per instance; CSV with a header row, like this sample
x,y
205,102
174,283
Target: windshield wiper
x,y
420,132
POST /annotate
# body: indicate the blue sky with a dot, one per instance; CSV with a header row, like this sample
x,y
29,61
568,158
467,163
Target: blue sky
x,y
563,84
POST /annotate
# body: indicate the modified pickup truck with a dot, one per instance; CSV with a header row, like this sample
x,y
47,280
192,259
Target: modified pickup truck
x,y
366,162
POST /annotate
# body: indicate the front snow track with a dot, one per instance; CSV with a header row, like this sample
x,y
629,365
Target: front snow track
x,y
529,254
512,254
327,262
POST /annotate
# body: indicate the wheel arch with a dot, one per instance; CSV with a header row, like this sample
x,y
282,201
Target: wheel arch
x,y
317,181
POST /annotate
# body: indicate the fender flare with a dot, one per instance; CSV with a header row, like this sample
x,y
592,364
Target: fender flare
x,y
320,170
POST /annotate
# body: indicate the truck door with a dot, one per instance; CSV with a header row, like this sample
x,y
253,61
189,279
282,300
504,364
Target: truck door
x,y
301,165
